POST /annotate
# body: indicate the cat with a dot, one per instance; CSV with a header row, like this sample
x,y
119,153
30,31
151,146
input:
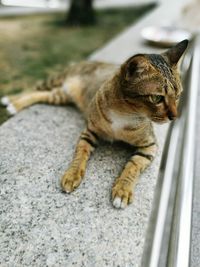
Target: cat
x,y
119,103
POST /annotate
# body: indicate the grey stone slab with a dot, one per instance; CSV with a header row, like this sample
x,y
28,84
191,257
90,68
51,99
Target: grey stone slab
x,y
40,225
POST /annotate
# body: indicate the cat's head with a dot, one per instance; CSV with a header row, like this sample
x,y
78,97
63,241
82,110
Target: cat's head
x,y
151,83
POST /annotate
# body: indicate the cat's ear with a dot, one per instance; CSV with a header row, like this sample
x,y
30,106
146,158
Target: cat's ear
x,y
134,66
175,53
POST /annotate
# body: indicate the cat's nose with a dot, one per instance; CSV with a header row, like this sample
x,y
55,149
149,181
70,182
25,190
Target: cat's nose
x,y
172,113
171,117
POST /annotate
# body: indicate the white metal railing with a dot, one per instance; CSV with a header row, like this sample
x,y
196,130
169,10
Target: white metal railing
x,y
168,239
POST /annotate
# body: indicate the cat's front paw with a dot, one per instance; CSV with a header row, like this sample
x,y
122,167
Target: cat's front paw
x,y
70,180
122,194
11,109
5,101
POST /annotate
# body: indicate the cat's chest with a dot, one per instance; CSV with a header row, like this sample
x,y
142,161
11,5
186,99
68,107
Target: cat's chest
x,y
123,122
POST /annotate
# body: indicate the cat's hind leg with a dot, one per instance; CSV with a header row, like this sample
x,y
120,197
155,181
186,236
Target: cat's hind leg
x,y
18,102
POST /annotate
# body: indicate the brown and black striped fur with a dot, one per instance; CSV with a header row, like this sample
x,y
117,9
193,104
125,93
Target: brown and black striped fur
x,y
119,103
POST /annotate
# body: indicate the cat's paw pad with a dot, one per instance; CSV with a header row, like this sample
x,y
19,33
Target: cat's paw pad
x,y
70,181
5,101
122,195
11,109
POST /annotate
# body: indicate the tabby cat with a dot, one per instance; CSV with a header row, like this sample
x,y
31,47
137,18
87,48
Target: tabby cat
x,y
119,103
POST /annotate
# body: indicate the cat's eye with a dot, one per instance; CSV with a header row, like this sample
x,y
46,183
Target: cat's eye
x,y
156,99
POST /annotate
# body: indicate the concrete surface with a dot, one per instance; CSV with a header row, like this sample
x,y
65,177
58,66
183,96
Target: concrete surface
x,y
40,225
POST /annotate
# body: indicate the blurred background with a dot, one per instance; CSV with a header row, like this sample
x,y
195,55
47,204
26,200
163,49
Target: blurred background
x,y
41,37
35,3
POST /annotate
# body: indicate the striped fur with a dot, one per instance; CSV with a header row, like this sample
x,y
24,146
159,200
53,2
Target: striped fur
x,y
119,103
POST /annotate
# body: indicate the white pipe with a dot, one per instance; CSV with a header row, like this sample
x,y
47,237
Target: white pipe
x,y
183,219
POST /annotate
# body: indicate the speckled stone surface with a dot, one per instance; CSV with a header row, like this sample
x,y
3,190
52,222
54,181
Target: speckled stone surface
x,y
40,225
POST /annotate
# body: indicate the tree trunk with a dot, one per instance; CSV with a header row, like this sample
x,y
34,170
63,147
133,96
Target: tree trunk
x,y
81,13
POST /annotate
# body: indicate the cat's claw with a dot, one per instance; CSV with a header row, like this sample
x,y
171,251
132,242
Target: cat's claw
x,y
70,187
122,194
67,187
5,101
70,182
67,191
11,109
118,203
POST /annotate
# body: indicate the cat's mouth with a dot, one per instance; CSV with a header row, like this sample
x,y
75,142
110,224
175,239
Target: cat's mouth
x,y
160,120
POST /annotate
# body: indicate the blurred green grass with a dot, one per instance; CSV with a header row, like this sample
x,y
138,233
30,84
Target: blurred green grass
x,y
33,47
